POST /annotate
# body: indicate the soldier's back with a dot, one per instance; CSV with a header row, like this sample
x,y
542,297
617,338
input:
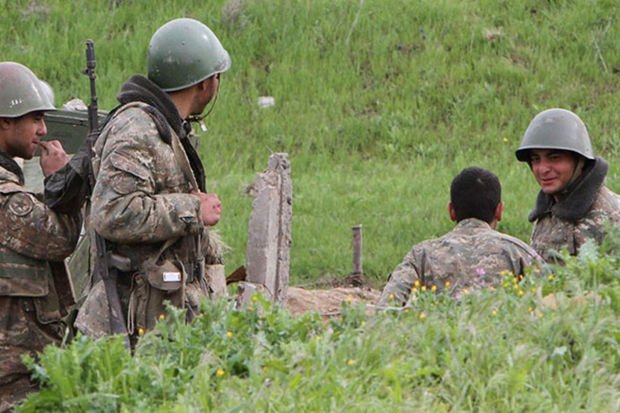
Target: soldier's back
x,y
471,256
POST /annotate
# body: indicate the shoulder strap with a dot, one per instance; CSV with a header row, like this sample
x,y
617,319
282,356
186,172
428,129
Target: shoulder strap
x,y
179,154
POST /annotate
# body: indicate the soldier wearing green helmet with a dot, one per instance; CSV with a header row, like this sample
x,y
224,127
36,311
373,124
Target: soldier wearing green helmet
x,y
150,203
184,52
573,204
35,292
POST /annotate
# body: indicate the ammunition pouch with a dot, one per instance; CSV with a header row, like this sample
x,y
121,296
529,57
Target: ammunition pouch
x,y
47,310
169,275
22,276
153,285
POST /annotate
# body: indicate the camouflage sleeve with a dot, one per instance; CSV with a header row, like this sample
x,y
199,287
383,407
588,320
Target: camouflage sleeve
x,y
127,205
29,227
524,257
400,282
604,212
530,263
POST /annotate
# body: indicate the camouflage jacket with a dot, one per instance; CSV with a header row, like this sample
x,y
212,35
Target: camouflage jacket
x,y
142,193
34,240
143,207
471,256
581,214
35,292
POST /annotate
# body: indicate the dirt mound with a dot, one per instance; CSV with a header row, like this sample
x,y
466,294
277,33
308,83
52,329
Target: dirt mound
x,y
327,302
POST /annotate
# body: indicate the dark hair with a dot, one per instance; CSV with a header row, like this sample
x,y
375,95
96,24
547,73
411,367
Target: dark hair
x,y
475,193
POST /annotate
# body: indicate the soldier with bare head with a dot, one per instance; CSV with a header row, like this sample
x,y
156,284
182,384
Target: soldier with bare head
x,y
150,203
35,293
470,257
573,204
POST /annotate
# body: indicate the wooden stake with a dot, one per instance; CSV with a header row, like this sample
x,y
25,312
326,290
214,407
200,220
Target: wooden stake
x,y
357,250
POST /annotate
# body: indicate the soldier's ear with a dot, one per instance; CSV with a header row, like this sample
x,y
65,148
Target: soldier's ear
x,y
206,83
451,211
499,210
202,85
5,123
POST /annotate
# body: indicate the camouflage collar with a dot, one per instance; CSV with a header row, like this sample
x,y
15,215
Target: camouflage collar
x,y
140,89
472,223
579,199
162,110
10,170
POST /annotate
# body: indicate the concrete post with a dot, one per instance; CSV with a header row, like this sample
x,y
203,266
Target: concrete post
x,y
269,229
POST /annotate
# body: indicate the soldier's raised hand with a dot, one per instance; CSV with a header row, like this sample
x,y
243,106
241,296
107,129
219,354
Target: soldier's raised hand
x,y
53,157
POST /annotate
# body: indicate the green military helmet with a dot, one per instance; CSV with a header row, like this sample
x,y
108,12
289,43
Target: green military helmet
x,y
48,91
556,129
21,92
184,52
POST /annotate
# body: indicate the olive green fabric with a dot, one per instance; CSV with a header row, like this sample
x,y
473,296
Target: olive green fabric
x,y
184,52
556,129
21,92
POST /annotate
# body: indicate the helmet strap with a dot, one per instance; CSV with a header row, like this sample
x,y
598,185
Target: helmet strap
x,y
579,167
200,118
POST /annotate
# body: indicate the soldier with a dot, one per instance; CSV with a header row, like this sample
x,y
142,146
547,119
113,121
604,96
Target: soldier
x,y
149,202
35,293
573,204
471,256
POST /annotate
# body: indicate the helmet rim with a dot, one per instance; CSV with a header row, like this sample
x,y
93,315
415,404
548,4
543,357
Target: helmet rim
x,y
558,129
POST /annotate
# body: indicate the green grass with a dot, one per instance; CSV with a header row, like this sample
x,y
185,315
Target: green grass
x,y
501,350
378,103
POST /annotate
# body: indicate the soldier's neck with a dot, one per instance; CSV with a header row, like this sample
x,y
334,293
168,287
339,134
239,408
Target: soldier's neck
x,y
183,102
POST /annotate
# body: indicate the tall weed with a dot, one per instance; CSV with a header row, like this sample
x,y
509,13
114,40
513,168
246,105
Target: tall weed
x,y
550,342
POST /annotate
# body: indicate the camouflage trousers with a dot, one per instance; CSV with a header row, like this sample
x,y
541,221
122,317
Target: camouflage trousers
x,y
20,333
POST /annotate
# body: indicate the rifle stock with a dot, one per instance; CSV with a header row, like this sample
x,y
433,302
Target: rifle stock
x,y
109,276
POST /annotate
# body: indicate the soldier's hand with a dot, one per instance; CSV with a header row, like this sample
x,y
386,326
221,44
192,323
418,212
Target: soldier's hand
x,y
210,207
53,157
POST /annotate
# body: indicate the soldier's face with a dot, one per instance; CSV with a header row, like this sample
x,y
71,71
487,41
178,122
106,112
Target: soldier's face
x,y
21,136
552,169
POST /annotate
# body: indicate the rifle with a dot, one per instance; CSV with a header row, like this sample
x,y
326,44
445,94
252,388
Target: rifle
x,y
67,190
91,64
107,265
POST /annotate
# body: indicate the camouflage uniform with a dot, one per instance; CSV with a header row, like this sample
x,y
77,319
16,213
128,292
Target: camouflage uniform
x,y
141,201
35,293
581,214
471,256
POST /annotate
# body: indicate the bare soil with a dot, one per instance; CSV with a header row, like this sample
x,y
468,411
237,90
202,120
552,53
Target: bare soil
x,y
327,302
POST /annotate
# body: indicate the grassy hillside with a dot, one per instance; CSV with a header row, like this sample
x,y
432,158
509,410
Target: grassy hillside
x,y
379,103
